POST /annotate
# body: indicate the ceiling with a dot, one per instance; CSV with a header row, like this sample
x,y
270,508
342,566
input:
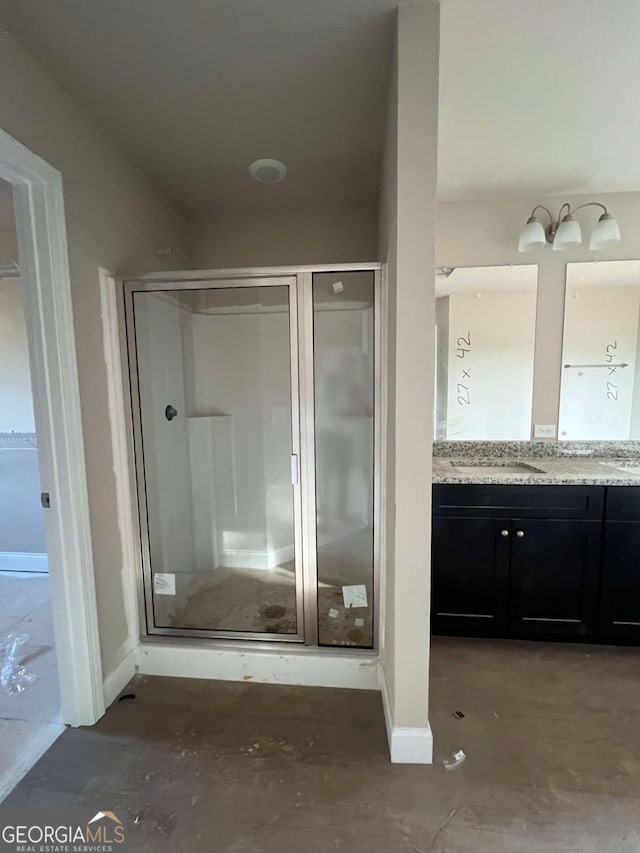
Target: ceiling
x,y
536,96
539,96
195,90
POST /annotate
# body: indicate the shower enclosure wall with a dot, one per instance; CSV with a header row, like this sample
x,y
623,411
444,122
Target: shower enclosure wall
x,y
255,409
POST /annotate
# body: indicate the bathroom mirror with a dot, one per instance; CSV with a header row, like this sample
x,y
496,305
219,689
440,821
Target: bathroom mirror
x,y
600,391
485,335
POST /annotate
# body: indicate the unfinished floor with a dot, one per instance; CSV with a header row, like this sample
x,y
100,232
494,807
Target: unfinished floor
x,y
550,731
29,722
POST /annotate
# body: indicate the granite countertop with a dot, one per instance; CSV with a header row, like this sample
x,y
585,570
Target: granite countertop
x,y
549,463
559,472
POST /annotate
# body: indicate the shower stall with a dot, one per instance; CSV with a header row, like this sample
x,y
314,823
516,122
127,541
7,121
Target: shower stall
x,y
255,401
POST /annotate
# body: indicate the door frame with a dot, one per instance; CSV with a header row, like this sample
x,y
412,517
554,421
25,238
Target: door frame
x,y
46,289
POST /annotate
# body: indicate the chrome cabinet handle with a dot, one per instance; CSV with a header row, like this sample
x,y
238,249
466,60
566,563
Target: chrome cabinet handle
x,y
520,534
504,532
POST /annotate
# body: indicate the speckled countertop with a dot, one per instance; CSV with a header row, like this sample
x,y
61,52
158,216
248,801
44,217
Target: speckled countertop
x,y
552,463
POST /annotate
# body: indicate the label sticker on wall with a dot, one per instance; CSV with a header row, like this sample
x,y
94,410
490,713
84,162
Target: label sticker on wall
x,y
164,583
355,596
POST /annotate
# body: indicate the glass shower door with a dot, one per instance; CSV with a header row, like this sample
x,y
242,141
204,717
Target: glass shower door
x,y
215,398
344,358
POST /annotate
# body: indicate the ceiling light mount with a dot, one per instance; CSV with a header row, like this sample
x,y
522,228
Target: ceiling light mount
x,y
564,232
268,171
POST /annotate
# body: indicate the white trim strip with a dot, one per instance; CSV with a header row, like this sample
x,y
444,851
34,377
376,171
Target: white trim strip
x,y
192,660
18,561
118,679
119,422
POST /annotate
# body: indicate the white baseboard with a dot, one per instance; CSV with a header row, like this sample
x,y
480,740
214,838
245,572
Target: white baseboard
x,y
118,678
17,561
407,744
303,668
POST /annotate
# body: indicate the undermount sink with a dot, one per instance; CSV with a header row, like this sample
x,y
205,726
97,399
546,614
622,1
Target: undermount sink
x,y
629,466
495,466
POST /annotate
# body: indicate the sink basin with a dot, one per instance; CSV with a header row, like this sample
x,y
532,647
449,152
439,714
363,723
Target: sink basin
x,y
495,466
629,466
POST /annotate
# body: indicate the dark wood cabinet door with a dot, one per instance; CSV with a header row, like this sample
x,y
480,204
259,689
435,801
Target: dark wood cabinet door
x,y
620,582
554,577
470,570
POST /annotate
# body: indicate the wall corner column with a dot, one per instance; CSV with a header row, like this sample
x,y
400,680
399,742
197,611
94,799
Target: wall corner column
x,y
407,236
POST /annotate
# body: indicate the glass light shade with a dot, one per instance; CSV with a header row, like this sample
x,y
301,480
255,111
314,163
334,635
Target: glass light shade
x,y
606,232
532,235
568,234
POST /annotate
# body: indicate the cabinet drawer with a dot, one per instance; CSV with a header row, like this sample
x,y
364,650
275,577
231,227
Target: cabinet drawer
x,y
623,503
481,500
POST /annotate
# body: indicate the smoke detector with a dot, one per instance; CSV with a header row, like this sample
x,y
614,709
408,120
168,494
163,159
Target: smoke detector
x,y
268,171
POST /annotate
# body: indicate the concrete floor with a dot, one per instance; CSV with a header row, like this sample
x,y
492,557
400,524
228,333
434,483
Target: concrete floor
x,y
550,731
29,722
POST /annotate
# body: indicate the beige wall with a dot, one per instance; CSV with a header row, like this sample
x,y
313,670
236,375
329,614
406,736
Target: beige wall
x,y
479,233
407,237
115,219
16,405
262,240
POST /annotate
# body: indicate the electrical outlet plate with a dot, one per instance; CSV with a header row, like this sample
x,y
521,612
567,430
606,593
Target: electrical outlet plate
x,y
544,430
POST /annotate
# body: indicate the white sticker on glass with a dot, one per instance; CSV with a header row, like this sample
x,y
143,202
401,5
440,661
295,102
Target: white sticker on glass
x,y
164,583
355,596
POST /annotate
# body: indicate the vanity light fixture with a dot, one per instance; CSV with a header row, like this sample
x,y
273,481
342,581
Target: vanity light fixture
x,y
565,232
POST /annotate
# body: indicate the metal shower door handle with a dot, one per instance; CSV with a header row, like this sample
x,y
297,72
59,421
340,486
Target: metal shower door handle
x,y
170,412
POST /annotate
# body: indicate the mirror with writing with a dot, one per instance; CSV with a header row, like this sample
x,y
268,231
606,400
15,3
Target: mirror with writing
x,y
485,334
600,391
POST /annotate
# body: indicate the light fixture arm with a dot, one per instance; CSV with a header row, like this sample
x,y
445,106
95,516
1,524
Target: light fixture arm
x,y
589,204
541,207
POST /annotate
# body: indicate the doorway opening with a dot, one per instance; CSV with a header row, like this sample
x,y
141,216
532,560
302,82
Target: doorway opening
x,y
39,254
255,411
30,714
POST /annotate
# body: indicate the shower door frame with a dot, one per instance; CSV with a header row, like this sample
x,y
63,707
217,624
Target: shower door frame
x,y
299,280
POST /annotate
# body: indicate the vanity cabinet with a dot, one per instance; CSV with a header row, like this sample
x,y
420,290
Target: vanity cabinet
x,y
470,585
620,580
516,561
553,581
